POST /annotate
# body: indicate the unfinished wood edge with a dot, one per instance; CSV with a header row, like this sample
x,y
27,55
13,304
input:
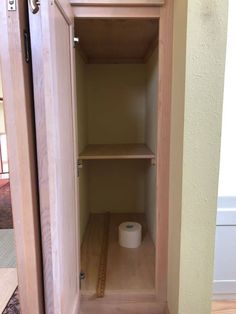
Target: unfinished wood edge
x,y
141,157
115,3
76,153
125,151
163,146
119,12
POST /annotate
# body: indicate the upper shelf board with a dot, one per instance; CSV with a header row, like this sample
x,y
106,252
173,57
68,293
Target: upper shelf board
x,y
117,2
116,151
116,40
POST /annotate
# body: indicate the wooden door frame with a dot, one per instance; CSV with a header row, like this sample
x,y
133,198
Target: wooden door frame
x,y
45,103
18,105
165,15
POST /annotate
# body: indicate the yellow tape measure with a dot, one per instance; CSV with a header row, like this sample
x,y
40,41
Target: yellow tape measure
x,y
101,283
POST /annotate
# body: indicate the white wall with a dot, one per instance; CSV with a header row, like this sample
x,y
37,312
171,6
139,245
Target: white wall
x,y
227,177
224,286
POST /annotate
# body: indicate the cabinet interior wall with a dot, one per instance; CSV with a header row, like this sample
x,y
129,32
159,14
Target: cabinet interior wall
x,y
117,104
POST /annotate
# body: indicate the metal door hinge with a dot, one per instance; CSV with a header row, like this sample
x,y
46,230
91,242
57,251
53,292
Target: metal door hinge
x,y
76,41
34,6
81,277
79,165
27,46
75,38
11,5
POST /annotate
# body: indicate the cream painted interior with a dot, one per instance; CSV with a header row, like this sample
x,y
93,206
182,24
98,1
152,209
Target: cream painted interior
x,y
117,103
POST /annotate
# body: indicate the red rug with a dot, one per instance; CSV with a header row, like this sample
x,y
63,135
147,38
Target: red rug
x,y
6,221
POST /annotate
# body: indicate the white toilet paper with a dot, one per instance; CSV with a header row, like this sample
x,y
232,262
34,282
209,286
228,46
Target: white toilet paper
x,y
130,234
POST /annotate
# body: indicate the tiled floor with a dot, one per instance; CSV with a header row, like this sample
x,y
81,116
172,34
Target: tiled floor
x,y
7,249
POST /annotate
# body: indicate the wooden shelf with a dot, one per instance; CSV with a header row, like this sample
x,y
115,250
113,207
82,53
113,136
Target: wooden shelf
x,y
117,151
117,2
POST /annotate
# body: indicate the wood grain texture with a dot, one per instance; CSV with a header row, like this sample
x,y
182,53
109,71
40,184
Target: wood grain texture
x,y
134,268
117,2
122,308
133,277
8,284
51,38
18,105
90,253
163,146
116,151
101,280
115,40
119,12
224,307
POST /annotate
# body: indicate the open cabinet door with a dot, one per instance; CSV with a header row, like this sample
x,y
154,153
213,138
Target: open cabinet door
x,y
51,29
19,117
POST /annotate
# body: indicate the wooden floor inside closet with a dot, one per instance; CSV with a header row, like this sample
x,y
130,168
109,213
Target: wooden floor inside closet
x,y
134,268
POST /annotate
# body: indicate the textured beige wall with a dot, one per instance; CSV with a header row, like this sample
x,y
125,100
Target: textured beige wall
x,y
197,96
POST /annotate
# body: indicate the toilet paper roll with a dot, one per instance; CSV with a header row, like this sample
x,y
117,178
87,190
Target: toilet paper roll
x,y
130,234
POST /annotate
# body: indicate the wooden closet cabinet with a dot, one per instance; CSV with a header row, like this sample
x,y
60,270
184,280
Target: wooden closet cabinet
x,y
102,96
103,125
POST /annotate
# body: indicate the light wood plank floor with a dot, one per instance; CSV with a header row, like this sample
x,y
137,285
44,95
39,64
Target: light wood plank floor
x,y
224,307
8,284
134,268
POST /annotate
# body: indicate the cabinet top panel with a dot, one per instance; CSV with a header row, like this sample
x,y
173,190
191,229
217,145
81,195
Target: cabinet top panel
x,y
118,2
116,40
